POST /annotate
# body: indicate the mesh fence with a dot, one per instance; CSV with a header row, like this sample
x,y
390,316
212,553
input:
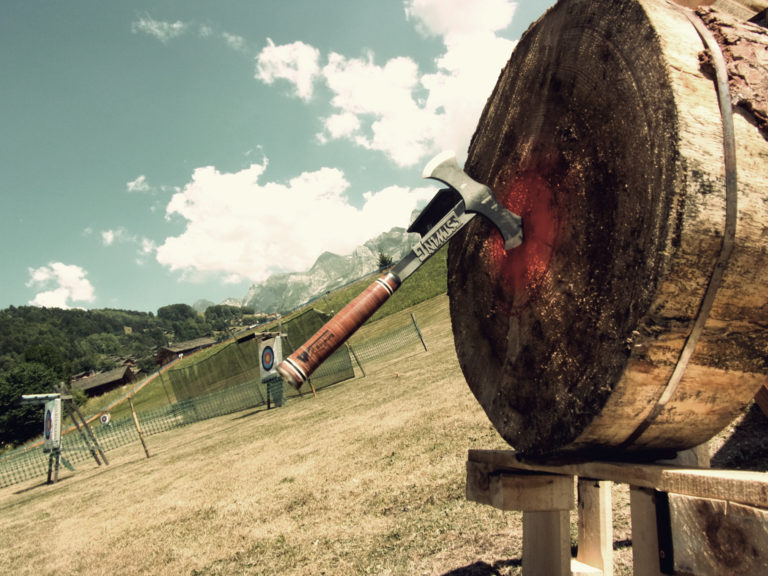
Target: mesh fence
x,y
231,365
299,329
225,382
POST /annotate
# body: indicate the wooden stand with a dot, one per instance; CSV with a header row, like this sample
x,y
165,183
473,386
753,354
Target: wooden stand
x,y
82,427
53,466
692,521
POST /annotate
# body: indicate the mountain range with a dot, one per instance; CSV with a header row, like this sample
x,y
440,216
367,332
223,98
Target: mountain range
x,y
284,292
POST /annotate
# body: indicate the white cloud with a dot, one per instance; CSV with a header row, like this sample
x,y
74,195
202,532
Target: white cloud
x,y
297,63
449,18
394,107
234,41
59,284
243,228
140,184
380,101
147,246
341,125
163,31
144,246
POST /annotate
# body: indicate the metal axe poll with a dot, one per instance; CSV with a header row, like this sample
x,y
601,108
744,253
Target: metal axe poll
x,y
446,214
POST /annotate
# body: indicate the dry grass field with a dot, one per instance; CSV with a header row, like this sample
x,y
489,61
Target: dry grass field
x,y
367,478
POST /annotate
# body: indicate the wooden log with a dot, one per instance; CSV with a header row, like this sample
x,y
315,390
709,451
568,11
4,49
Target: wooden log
x,y
605,134
745,9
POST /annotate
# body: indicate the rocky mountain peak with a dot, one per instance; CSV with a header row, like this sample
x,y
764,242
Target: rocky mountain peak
x,y
284,292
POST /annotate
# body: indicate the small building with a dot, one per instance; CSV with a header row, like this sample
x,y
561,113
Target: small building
x,y
171,352
104,381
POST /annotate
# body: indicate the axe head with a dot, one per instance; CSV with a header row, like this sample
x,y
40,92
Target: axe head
x,y
477,198
445,200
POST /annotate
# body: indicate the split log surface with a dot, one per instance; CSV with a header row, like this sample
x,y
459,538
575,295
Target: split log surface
x,y
604,133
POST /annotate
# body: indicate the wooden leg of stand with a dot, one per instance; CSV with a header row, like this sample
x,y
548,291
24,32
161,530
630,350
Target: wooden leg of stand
x,y
50,469
56,464
546,543
595,525
645,540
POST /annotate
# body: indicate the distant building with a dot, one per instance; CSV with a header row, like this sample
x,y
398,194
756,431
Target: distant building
x,y
253,332
168,353
102,382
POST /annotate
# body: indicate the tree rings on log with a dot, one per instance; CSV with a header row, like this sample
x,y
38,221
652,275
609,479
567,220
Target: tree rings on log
x,y
605,135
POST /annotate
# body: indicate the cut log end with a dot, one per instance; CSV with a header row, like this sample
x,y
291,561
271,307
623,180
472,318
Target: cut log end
x,y
567,341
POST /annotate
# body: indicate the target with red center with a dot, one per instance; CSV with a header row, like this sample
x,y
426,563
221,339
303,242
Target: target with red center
x,y
267,358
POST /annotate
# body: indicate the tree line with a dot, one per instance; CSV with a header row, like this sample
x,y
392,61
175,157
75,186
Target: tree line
x,y
40,347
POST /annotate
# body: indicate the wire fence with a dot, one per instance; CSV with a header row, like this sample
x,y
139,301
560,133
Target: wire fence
x,y
226,382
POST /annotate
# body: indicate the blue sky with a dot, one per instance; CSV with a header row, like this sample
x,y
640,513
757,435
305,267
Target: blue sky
x,y
162,152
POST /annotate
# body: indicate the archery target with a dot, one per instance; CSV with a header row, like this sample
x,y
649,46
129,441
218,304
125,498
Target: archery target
x,y
270,352
48,424
52,425
267,358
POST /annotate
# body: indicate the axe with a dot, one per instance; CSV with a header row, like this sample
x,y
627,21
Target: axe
x,y
446,214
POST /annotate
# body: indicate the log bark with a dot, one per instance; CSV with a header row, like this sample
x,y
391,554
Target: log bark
x,y
605,135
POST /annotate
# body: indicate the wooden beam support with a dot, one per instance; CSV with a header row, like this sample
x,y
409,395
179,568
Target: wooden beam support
x,y
684,520
738,486
545,500
519,490
528,492
546,543
595,526
645,541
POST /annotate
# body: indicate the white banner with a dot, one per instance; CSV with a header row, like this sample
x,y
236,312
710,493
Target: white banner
x,y
52,425
270,355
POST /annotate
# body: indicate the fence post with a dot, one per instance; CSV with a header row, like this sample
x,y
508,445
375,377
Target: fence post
x,y
165,389
415,325
138,428
354,355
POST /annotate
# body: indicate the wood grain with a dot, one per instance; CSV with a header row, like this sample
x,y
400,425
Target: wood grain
x,y
605,134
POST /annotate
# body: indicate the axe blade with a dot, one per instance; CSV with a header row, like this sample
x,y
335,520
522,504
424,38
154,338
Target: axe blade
x,y
477,197
438,207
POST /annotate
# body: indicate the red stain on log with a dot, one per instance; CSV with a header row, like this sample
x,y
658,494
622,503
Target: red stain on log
x,y
522,270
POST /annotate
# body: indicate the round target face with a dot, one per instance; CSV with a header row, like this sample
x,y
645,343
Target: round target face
x,y
105,418
48,424
267,358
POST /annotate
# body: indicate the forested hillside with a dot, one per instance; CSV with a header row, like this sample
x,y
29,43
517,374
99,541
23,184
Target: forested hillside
x,y
40,347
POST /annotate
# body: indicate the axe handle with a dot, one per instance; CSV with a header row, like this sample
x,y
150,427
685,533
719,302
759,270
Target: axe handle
x,y
297,367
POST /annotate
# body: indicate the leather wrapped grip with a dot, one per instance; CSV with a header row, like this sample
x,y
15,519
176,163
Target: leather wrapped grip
x,y
297,367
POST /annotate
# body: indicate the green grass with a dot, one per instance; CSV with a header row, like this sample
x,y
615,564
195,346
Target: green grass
x,y
367,478
426,283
